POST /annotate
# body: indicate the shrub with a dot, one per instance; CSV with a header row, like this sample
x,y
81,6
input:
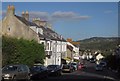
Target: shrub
x,y
20,51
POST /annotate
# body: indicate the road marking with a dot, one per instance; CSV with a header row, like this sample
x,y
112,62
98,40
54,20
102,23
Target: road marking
x,y
110,78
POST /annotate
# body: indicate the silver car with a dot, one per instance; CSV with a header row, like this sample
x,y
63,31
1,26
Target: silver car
x,y
16,72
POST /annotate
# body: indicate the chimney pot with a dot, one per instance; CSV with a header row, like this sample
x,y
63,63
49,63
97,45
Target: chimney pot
x,y
12,7
23,12
27,12
10,10
25,15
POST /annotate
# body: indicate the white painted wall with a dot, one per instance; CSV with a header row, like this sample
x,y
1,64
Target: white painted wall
x,y
76,49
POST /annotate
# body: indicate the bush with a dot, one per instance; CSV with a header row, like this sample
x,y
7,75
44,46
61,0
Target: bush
x,y
20,51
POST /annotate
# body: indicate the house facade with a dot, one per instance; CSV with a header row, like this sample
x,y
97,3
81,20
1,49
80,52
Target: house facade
x,y
16,26
20,27
54,44
75,50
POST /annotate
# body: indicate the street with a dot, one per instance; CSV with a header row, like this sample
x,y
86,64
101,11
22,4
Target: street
x,y
87,74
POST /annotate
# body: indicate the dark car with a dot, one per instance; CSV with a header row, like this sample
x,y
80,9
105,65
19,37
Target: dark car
x,y
104,64
99,68
54,70
38,72
16,72
67,68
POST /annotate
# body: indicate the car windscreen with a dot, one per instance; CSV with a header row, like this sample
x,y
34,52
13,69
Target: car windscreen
x,y
73,63
66,66
52,66
9,68
35,68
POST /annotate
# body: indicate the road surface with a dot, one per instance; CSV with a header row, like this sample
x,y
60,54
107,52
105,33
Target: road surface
x,y
87,74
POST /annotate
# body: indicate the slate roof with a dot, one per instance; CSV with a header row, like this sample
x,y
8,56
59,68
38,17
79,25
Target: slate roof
x,y
47,32
70,47
53,32
28,23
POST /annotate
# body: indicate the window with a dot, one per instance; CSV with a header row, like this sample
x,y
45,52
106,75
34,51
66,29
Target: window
x,y
48,56
47,46
42,43
9,29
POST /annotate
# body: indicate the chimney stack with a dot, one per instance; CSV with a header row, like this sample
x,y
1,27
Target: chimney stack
x,y
10,10
25,15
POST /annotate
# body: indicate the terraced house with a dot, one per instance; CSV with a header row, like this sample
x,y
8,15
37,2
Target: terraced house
x,y
20,27
55,44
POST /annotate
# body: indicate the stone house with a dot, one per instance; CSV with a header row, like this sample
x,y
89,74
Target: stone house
x,y
18,27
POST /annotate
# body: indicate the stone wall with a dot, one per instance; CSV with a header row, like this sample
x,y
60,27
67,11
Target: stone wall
x,y
13,27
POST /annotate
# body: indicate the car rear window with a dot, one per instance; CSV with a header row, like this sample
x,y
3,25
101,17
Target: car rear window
x,y
66,66
74,64
10,68
35,68
52,66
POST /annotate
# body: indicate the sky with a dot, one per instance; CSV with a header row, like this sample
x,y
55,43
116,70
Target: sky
x,y
76,20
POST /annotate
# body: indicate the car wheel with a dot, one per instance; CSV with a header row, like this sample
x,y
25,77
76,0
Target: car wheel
x,y
14,78
28,78
60,74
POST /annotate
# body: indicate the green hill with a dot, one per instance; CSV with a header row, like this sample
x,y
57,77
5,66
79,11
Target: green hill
x,y
104,44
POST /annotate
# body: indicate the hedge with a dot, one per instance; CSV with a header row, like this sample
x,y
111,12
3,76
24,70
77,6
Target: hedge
x,y
20,51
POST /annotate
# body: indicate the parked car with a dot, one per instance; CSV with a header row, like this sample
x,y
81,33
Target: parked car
x,y
118,71
67,68
54,70
75,65
81,65
16,72
92,60
38,72
99,68
104,64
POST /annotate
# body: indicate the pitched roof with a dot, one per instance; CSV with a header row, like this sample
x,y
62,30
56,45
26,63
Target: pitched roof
x,y
47,32
70,47
28,23
55,35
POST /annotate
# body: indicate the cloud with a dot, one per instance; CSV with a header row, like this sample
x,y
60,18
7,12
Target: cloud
x,y
57,15
68,15
82,17
42,15
108,11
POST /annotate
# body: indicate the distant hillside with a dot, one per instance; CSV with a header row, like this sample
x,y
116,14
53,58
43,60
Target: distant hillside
x,y
99,39
99,43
